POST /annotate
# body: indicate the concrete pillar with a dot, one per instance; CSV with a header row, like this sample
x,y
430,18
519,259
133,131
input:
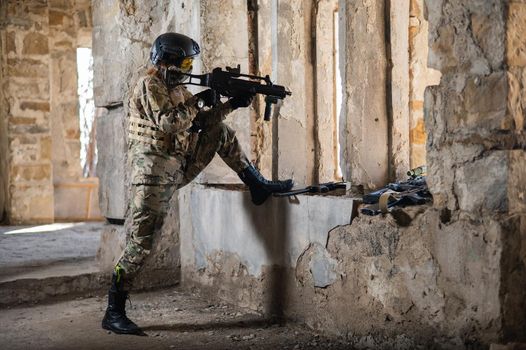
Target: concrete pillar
x,y
325,86
293,140
421,76
399,85
366,131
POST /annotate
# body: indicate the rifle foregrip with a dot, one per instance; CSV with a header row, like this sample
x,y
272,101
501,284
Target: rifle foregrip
x,y
268,110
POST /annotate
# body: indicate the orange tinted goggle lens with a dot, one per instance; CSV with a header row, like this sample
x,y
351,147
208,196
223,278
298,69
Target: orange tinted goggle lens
x,y
187,63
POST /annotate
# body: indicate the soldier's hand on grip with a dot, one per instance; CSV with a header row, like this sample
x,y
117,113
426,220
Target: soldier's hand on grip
x,y
241,101
209,97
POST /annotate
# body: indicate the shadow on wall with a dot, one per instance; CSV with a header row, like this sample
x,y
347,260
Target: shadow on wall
x,y
271,224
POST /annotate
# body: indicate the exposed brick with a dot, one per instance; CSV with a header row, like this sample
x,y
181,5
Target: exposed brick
x,y
35,44
56,18
37,172
417,134
28,129
45,148
72,134
24,140
416,105
35,106
63,44
61,4
21,121
27,68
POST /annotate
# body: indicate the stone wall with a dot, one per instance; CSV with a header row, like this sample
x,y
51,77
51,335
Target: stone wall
x,y
40,117
420,76
26,69
450,275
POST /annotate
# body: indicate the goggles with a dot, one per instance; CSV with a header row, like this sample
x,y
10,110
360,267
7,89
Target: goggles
x,y
186,63
180,63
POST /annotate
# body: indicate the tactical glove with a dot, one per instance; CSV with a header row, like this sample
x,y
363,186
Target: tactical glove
x,y
210,97
241,101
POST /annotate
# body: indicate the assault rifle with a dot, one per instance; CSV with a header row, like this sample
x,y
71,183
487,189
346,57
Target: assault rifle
x,y
231,83
321,188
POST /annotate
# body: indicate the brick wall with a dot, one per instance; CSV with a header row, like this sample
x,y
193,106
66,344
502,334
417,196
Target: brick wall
x,y
39,119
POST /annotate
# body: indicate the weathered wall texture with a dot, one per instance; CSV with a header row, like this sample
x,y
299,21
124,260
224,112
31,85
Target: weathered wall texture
x,y
373,282
398,51
26,69
453,275
420,76
450,275
366,131
325,109
475,151
40,115
294,143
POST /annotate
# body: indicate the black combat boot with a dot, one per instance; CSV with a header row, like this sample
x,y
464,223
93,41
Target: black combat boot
x,y
115,319
261,188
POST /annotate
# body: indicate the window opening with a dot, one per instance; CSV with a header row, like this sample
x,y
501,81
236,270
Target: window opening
x,y
88,149
338,93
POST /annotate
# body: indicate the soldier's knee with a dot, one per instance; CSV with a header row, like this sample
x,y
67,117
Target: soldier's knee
x,y
224,132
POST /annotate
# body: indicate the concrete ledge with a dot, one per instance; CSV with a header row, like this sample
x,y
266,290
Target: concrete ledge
x,y
223,221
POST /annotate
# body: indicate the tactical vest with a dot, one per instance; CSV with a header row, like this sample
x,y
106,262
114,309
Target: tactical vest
x,y
145,131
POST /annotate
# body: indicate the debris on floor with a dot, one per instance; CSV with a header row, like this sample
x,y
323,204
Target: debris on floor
x,y
172,319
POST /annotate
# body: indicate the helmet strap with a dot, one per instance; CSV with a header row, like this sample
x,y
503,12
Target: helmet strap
x,y
171,77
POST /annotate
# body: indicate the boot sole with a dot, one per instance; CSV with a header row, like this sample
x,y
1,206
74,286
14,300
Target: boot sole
x,y
116,331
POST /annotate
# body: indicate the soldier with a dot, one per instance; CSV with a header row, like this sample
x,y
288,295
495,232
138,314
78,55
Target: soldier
x,y
171,140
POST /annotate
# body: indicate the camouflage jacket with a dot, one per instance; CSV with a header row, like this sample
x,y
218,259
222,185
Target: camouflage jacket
x,y
158,137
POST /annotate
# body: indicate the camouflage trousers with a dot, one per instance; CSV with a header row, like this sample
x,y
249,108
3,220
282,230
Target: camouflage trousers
x,y
149,204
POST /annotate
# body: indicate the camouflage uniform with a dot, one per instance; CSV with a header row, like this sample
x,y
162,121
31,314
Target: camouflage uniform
x,y
165,156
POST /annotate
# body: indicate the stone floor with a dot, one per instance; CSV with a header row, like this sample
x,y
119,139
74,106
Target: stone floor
x,y
171,318
42,268
61,249
46,261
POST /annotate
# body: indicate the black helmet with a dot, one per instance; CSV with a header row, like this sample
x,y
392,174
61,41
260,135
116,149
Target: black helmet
x,y
173,48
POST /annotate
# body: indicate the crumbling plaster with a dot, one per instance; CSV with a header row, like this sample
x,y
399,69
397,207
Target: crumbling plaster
x,y
452,274
449,275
